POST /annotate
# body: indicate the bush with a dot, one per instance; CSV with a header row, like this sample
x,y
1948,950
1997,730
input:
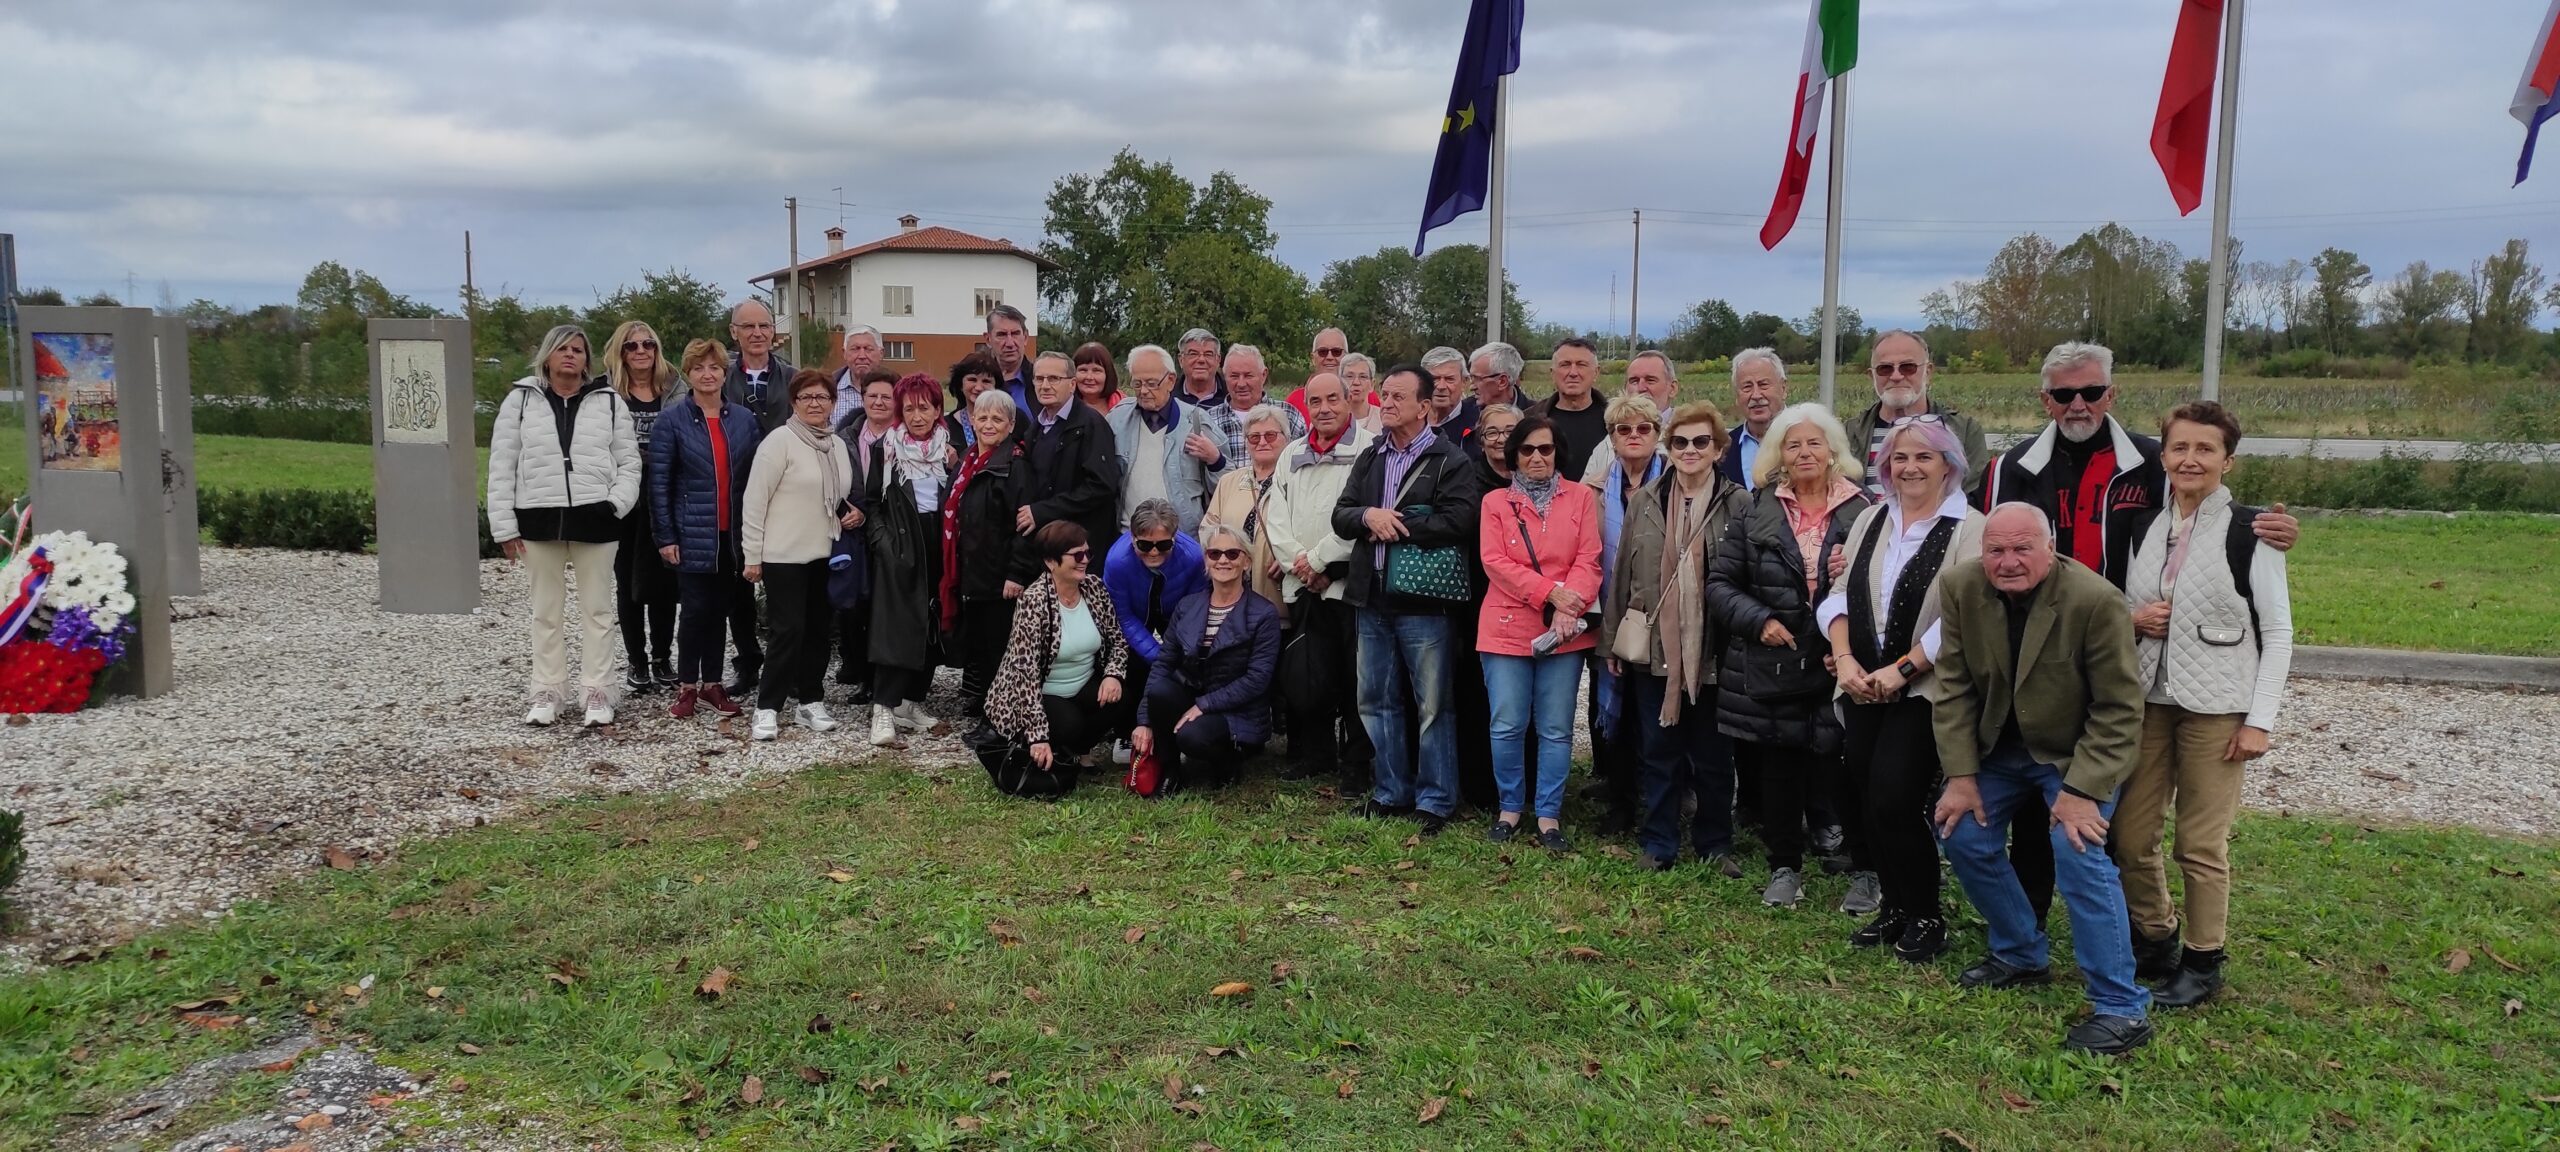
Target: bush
x,y
298,518
13,854
348,422
2479,482
2312,363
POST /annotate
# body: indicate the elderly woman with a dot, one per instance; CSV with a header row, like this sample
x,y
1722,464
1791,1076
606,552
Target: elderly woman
x,y
1767,576
970,379
796,503
905,538
986,563
1097,378
1207,704
1634,460
699,453
1359,382
1659,591
1241,492
1149,571
1059,689
866,427
564,469
1882,621
1475,712
645,589
1540,539
2213,628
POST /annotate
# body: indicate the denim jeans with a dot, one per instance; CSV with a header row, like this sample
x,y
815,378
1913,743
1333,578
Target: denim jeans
x,y
1691,755
2101,937
1398,648
1532,692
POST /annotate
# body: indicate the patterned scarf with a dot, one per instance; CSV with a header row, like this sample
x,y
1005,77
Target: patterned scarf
x,y
1539,492
950,590
831,487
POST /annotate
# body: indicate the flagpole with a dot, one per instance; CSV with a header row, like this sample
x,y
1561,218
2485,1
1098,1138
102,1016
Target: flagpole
x,y
2217,291
1493,209
1831,236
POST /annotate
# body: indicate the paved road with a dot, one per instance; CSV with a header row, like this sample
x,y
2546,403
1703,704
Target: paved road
x,y
2335,449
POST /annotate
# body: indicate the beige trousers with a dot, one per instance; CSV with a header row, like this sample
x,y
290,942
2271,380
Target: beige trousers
x,y
551,561
2182,765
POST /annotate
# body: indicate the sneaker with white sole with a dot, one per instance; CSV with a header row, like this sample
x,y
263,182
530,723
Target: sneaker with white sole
x,y
884,729
767,726
543,714
599,715
1121,752
1786,888
912,717
814,717
1866,895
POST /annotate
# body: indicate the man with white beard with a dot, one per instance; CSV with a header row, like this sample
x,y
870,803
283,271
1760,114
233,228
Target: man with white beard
x,y
1901,370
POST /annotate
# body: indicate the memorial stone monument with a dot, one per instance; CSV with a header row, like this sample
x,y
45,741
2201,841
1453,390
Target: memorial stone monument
x,y
178,458
426,470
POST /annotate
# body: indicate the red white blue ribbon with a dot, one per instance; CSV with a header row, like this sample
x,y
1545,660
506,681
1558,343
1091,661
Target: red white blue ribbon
x,y
23,598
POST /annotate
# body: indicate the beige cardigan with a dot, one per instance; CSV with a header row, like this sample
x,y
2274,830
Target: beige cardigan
x,y
788,520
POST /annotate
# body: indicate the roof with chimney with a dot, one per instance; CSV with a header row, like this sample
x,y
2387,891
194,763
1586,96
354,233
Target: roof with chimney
x,y
910,238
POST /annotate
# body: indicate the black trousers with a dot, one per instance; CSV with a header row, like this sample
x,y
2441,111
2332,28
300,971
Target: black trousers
x,y
1616,750
1889,781
1321,688
1789,776
1203,753
986,626
1690,756
702,603
853,644
741,601
1475,717
796,606
2031,852
644,602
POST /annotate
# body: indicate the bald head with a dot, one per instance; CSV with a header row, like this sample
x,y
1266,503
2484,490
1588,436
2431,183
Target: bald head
x,y
2017,548
1328,406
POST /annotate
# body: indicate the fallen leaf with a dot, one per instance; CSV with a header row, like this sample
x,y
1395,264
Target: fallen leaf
x,y
1615,852
1413,841
968,1123
1354,870
339,858
313,1122
2379,774
207,1002
467,793
2546,1099
470,1049
1343,1091
2460,960
2016,1102
814,1075
136,1112
1215,1052
1034,995
840,876
2111,1088
714,985
1716,1120
1848,1073
820,1025
1403,866
284,1065
210,1022
1431,1109
1584,952
1777,1065
999,1076
747,845
1234,874
1133,935
2500,961
1231,988
435,992
2514,1006
751,1092
1191,1108
1173,1087
1947,1137
874,1084
950,1006
1590,1069
693,1093
1005,933
1281,970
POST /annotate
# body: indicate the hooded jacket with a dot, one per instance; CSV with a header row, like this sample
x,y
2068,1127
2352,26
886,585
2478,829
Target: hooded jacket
x,y
529,466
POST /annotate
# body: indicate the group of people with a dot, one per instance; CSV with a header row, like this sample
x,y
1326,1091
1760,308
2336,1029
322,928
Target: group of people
x,y
1871,646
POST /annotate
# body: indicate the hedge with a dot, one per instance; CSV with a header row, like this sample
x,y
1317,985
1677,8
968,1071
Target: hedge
x,y
299,518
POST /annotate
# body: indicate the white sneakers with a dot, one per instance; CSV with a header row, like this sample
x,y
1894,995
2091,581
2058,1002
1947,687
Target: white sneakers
x,y
1121,753
911,717
544,713
814,717
884,729
599,715
767,726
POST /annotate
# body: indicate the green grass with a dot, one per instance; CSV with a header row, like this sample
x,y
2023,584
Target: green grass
x,y
237,462
2482,583
974,936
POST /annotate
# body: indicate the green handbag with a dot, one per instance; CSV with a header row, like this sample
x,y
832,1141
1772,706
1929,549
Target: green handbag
x,y
1436,575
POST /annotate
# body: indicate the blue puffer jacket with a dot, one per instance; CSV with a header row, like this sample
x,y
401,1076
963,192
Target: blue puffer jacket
x,y
683,492
1232,677
1124,574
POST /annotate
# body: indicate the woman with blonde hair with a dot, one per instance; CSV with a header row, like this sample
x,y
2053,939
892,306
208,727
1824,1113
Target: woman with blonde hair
x,y
644,601
1240,494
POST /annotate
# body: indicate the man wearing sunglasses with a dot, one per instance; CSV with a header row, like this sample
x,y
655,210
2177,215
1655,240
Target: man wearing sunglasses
x,y
1900,368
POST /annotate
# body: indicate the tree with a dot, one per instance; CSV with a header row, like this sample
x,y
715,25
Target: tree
x,y
51,297
1449,301
675,305
1396,307
100,300
2336,305
2114,284
1852,327
1144,254
2506,299
2018,304
1706,330
2415,310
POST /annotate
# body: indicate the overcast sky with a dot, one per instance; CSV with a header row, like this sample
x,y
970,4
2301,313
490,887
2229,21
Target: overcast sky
x,y
224,146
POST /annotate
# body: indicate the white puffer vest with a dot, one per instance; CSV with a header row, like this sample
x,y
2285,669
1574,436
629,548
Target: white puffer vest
x,y
2211,652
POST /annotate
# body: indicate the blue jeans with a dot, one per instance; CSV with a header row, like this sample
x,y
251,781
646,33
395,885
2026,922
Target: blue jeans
x,y
1396,649
1690,755
1527,691
2101,936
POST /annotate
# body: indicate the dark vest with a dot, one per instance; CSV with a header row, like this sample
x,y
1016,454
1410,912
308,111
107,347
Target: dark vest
x,y
1903,614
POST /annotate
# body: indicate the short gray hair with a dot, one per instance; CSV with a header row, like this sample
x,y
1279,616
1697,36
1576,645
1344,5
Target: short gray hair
x,y
1777,364
1152,514
1210,530
2073,352
1906,334
1939,437
1157,350
1266,413
1844,462
2043,521
1444,355
991,401
1195,336
1249,352
1670,369
862,330
1506,359
1319,339
1494,410
1364,358
554,340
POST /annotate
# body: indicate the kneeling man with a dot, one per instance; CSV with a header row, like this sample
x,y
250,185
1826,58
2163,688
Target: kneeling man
x,y
2039,697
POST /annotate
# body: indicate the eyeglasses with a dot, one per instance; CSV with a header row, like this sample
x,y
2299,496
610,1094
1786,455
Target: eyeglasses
x,y
1163,381
1680,443
1537,449
1223,555
1498,433
1164,545
2089,395
1923,418
636,345
1078,555
1261,437
1487,377
1632,429
814,398
1047,378
1899,368
1331,351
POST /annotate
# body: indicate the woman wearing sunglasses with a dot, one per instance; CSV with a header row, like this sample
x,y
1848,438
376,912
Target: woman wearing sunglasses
x,y
1541,543
1634,459
1149,572
1207,705
1059,688
645,588
1241,493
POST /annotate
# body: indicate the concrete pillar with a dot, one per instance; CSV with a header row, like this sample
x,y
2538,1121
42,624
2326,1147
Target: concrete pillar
x,y
426,469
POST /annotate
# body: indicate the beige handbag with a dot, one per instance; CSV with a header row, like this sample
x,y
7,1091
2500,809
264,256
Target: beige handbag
x,y
1634,642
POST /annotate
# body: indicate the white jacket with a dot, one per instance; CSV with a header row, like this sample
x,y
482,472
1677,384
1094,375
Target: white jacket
x,y
2213,661
1298,514
528,468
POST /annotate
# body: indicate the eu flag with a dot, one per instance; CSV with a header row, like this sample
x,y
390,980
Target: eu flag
x,y
1462,172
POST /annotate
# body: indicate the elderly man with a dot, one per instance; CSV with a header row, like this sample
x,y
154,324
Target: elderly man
x,y
1009,341
1150,436
1073,465
1202,387
1759,394
1652,375
1900,365
1319,664
1409,488
2040,706
1453,412
1581,420
1245,374
1494,370
1326,354
861,355
758,379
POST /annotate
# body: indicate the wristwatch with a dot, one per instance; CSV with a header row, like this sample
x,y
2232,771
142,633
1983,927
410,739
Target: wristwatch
x,y
1907,668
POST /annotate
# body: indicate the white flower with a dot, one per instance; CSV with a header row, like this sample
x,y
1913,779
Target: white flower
x,y
86,574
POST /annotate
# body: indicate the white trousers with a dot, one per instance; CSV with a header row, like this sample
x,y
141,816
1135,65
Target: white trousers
x,y
551,561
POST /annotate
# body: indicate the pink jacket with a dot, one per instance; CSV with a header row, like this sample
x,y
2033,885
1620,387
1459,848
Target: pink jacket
x,y
1567,540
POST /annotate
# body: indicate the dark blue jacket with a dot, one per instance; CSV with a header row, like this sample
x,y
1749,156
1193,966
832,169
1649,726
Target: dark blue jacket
x,y
1124,575
683,494
1231,679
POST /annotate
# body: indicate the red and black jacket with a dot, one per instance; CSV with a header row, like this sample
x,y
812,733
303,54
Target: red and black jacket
x,y
2097,515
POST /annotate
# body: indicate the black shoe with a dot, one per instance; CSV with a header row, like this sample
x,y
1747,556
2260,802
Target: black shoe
x,y
1995,975
1502,831
1886,928
1299,771
858,695
1725,865
743,685
1652,863
2107,1035
1552,839
1617,822
1372,810
638,680
2198,979
664,669
1923,940
2155,960
1432,822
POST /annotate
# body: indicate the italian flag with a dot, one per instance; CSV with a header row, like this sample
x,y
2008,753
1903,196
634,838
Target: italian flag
x,y
1830,48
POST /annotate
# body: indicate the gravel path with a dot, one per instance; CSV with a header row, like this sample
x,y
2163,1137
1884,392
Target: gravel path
x,y
304,721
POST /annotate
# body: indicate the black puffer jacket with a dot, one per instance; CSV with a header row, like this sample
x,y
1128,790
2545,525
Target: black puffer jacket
x,y
1757,575
991,551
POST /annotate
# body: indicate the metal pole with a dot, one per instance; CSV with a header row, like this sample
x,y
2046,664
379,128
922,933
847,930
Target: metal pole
x,y
470,294
1635,286
9,313
2217,290
1500,176
791,205
1831,236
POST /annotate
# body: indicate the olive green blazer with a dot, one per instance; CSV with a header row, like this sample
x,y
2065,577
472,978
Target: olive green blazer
x,y
2074,682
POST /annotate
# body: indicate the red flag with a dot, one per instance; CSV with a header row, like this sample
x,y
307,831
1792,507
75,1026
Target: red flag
x,y
2183,129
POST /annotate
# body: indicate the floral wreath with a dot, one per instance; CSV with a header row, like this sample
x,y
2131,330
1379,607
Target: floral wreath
x,y
66,610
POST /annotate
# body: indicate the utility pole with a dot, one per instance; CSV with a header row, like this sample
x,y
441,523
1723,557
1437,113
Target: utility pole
x,y
791,205
1613,301
470,294
1635,286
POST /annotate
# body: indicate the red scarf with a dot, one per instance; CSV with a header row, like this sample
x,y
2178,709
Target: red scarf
x,y
1325,447
950,591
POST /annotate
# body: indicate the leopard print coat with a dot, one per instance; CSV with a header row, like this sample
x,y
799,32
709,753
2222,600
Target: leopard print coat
x,y
1013,701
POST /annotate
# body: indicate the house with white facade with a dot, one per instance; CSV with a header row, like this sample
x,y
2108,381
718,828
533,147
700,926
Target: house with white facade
x,y
927,289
